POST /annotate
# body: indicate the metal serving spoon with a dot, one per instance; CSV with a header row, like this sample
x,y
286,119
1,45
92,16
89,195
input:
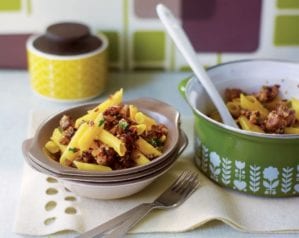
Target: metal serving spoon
x,y
184,45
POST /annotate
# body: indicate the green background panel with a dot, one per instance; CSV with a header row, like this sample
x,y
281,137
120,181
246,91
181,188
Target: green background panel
x,y
149,46
287,3
113,38
185,68
10,5
286,30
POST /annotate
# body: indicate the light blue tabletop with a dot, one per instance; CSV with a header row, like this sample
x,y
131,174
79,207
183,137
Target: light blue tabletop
x,y
17,100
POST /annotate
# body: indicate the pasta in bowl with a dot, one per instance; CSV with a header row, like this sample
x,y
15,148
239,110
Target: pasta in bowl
x,y
263,111
248,159
107,139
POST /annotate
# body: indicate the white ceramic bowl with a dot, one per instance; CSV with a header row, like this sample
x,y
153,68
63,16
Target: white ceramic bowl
x,y
115,189
122,189
109,191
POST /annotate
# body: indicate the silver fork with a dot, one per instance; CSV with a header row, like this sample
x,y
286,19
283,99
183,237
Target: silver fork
x,y
172,197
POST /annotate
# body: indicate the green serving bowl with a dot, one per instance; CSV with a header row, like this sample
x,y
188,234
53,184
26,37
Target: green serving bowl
x,y
254,163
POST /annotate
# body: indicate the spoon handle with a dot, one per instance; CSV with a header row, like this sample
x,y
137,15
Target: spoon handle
x,y
182,42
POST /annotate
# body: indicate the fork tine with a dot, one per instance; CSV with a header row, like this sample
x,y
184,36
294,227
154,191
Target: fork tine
x,y
181,188
189,184
177,183
184,183
194,183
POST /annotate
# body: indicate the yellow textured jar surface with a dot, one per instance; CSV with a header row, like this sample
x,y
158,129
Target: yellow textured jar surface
x,y
68,78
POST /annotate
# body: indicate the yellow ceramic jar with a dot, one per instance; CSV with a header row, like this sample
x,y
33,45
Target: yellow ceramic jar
x,y
68,66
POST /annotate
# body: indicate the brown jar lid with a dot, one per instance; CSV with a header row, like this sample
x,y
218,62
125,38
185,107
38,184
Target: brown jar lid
x,y
67,38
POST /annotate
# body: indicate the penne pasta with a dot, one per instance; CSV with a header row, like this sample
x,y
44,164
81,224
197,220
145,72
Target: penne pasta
x,y
234,108
91,167
141,118
139,128
81,120
248,126
252,104
91,133
72,149
140,158
114,99
147,149
56,138
132,110
52,147
237,101
291,130
112,141
295,106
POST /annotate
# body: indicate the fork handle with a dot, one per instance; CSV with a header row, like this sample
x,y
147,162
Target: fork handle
x,y
104,228
111,224
139,213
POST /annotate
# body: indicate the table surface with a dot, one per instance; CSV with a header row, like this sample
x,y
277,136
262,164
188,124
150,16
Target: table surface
x,y
17,100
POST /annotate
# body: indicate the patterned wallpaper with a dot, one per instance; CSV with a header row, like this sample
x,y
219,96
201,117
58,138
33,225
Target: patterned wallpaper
x,y
220,30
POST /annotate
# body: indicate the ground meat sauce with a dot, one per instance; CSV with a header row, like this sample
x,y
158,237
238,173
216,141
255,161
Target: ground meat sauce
x,y
232,93
67,126
253,116
268,93
279,119
280,115
117,121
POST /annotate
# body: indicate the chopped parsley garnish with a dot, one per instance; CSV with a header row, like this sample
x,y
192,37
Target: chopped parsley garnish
x,y
101,122
73,149
123,124
155,142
